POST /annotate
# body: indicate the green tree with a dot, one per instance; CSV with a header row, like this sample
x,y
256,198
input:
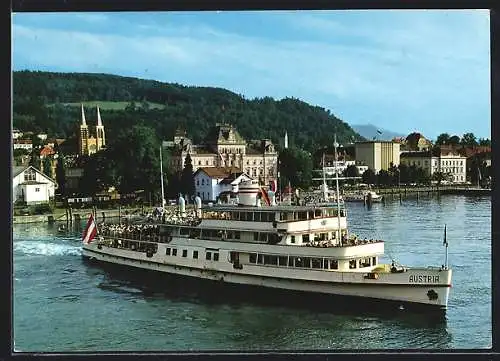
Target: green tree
x,y
443,138
439,177
484,142
469,140
35,159
384,177
369,176
351,171
61,174
295,166
187,178
47,166
454,140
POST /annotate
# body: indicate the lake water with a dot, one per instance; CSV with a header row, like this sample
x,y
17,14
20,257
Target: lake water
x,y
63,304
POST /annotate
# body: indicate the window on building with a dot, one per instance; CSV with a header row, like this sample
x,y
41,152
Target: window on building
x,y
29,175
37,189
374,261
195,254
292,239
253,258
184,253
168,251
334,264
216,256
198,182
206,162
352,264
208,256
174,251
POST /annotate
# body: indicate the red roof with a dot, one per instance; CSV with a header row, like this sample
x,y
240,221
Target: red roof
x,y
47,151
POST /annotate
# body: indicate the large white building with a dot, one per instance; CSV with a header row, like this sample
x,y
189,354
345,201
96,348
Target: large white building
x,y
377,155
450,163
30,186
225,148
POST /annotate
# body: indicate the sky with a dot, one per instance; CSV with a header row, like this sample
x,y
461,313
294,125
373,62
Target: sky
x,y
401,70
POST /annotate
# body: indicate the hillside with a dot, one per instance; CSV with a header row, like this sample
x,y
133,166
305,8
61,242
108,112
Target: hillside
x,y
45,101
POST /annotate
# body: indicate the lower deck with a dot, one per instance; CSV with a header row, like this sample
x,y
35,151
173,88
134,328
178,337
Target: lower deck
x,y
420,286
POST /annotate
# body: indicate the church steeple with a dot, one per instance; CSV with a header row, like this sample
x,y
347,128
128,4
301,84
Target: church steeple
x,y
99,121
84,123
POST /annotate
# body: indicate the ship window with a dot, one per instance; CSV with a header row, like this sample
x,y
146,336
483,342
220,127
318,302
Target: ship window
x,y
305,238
208,256
374,261
168,251
258,217
195,254
263,237
317,213
237,235
299,262
307,262
255,236
184,232
282,261
216,256
365,262
292,239
260,259
316,263
253,258
325,263
352,264
174,251
184,253
290,261
236,216
272,260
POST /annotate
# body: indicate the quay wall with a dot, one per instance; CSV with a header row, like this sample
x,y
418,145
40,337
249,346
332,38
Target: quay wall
x,y
78,214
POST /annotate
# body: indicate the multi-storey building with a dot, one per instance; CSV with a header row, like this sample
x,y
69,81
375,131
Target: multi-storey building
x,y
448,162
378,154
91,143
226,148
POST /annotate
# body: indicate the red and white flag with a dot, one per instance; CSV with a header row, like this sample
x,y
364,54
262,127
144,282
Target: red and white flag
x,y
90,230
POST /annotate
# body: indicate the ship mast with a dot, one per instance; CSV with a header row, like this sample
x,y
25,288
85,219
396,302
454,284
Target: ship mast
x,y
161,180
335,145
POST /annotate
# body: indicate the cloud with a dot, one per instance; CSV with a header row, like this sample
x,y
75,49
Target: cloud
x,y
363,66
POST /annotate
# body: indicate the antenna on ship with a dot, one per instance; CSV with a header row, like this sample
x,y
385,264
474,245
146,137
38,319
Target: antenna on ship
x,y
161,179
325,188
335,145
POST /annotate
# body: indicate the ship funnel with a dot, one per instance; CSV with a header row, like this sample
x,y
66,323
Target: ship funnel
x,y
182,207
197,202
247,192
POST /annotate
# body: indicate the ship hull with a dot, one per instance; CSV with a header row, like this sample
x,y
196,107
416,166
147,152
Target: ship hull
x,y
399,296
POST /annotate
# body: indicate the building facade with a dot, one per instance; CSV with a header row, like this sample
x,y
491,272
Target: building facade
x,y
30,186
377,155
91,142
451,164
225,148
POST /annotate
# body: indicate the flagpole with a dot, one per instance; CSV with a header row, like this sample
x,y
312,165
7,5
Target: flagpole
x,y
446,245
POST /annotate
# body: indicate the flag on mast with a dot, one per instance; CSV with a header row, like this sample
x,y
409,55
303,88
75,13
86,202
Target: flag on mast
x,y
445,242
90,230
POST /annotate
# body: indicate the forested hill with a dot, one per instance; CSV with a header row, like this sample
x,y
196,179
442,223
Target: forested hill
x,y
49,102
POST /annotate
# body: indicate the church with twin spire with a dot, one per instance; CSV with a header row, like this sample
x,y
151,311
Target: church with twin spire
x,y
91,142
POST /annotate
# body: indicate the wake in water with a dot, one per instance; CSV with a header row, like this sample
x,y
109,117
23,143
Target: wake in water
x,y
47,247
